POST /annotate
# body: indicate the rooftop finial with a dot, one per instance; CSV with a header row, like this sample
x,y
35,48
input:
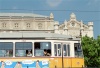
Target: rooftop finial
x,y
73,16
51,15
65,22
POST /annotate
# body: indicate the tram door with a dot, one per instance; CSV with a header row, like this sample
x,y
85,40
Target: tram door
x,y
61,52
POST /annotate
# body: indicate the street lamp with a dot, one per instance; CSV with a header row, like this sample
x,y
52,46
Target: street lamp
x,y
62,56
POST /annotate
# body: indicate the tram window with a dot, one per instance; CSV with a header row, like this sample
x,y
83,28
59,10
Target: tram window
x,y
68,47
42,48
6,49
57,49
23,49
65,50
78,50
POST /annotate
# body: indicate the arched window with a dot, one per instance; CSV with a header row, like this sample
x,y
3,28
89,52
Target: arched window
x,y
16,24
4,24
28,25
40,26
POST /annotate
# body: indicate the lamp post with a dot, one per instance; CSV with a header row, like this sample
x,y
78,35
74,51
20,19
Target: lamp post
x,y
62,56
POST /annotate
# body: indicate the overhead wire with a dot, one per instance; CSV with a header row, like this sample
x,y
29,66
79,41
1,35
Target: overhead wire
x,y
55,10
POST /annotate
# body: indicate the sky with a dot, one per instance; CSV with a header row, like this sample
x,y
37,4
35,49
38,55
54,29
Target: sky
x,y
85,10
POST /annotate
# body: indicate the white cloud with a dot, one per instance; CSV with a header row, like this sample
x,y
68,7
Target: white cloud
x,y
14,7
53,3
93,2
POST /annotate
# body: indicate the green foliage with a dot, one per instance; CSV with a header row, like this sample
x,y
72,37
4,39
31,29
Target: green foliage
x,y
91,51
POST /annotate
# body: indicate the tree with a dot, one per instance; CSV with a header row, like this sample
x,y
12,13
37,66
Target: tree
x,y
91,49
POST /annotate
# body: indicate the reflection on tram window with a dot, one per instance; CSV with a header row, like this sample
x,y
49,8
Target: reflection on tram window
x,y
6,49
42,48
23,49
78,50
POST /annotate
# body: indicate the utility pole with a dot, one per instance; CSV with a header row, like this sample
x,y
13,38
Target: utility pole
x,y
62,56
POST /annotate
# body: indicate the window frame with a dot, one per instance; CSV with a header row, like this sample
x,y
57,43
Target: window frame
x,y
24,49
62,44
40,26
4,25
57,49
28,25
43,49
5,49
16,25
77,45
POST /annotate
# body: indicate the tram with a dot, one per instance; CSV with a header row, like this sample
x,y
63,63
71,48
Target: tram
x,y
40,50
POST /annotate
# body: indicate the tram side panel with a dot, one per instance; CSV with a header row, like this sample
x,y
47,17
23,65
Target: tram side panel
x,y
78,61
74,59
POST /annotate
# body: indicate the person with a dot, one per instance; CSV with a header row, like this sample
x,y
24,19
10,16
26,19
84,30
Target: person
x,y
18,65
29,53
37,64
45,53
7,53
48,54
2,64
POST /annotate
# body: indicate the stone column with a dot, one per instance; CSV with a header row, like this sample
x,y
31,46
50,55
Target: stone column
x,y
65,28
56,30
81,29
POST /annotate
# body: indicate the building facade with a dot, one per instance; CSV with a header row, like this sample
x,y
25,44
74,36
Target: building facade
x,y
23,22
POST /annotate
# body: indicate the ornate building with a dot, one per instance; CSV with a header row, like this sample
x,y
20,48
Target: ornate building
x,y
23,22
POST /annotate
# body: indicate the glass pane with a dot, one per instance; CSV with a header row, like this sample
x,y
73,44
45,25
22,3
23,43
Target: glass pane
x,y
27,45
65,50
21,53
68,47
23,45
39,52
2,53
6,45
9,53
55,49
45,45
19,45
78,50
59,49
78,46
80,54
2,46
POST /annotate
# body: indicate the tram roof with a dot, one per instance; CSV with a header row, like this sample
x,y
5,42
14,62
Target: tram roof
x,y
35,35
